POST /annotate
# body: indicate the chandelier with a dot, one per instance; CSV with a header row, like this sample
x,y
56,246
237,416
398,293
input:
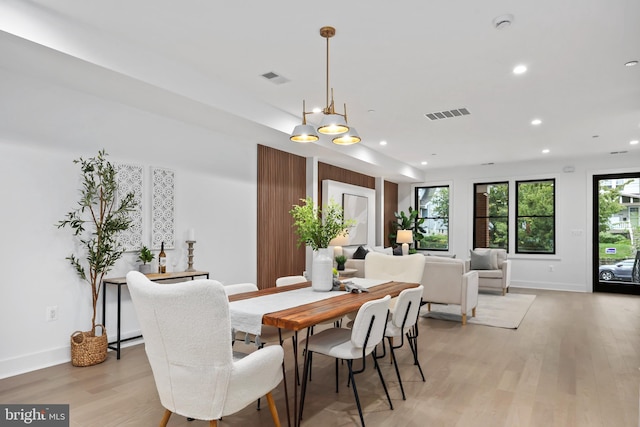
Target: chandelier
x,y
333,123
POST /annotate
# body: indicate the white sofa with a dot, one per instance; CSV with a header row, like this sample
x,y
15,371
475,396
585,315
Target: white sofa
x,y
446,281
358,264
495,271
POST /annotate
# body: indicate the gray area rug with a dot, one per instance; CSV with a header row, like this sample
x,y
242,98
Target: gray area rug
x,y
493,310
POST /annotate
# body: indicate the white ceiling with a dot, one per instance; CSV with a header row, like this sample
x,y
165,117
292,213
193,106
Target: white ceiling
x,y
199,63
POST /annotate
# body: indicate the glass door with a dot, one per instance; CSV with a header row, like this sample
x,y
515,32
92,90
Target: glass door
x,y
616,233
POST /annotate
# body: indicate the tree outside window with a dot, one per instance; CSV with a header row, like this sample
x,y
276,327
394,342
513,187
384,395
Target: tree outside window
x,y
433,206
535,216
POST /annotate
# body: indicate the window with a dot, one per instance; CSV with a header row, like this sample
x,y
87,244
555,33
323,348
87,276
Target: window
x,y
535,216
433,207
491,215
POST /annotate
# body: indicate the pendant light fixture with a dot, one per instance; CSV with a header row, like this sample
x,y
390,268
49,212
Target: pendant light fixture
x,y
304,132
333,123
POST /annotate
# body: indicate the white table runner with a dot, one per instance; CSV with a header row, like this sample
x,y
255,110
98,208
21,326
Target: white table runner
x,y
246,315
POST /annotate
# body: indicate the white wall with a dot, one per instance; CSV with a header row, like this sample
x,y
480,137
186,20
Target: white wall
x,y
334,190
572,263
216,196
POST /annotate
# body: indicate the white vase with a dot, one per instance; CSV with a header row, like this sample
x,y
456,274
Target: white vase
x,y
322,271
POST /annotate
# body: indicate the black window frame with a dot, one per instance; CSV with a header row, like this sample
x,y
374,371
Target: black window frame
x,y
517,217
417,205
476,217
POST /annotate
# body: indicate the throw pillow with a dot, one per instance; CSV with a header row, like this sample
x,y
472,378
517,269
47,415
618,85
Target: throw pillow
x,y
360,253
481,260
383,250
348,251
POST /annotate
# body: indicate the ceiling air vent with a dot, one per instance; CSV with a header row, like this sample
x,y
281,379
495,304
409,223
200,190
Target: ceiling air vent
x,y
275,78
618,152
458,112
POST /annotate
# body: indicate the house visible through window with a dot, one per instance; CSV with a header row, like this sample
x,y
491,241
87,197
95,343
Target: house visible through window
x,y
535,217
491,215
433,206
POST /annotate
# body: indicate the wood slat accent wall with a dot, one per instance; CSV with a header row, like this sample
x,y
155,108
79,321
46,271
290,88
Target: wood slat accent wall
x,y
390,207
281,184
334,173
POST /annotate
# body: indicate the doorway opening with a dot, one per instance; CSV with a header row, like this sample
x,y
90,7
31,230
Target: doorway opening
x,y
616,233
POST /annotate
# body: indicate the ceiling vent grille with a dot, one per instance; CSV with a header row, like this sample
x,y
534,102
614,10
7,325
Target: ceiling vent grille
x,y
438,115
275,78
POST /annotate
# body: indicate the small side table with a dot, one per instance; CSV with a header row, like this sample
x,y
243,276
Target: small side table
x,y
347,272
120,281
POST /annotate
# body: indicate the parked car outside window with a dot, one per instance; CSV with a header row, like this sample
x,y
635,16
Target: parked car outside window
x,y
619,271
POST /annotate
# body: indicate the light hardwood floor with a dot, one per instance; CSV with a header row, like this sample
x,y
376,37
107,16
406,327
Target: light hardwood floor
x,y
574,361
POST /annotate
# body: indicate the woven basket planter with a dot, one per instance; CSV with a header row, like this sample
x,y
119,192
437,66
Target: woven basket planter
x,y
87,349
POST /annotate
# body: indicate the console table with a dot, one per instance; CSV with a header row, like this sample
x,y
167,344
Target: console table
x,y
120,281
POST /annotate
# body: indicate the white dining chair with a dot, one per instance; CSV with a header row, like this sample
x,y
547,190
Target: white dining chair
x,y
404,323
290,280
186,332
350,344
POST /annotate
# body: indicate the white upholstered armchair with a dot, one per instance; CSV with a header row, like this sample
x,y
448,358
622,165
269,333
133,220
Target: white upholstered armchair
x,y
187,333
493,267
445,282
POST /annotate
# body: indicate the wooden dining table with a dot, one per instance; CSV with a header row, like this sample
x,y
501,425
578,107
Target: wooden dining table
x,y
305,316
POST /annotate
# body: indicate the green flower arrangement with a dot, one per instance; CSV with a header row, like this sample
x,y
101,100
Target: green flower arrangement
x,y
316,227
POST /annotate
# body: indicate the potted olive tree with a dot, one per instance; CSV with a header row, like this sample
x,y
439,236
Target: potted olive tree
x,y
316,227
100,216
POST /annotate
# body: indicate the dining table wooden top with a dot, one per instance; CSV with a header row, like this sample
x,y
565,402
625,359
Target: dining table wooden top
x,y
307,315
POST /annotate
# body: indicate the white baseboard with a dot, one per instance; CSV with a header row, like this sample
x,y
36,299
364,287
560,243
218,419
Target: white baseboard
x,y
55,356
551,286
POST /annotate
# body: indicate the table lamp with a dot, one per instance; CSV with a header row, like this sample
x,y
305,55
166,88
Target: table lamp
x,y
405,237
338,242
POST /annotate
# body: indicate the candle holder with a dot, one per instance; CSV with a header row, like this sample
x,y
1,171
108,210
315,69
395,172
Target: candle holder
x,y
190,256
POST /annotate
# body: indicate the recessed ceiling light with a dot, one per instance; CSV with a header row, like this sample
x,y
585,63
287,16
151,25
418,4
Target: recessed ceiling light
x,y
520,69
634,142
383,142
545,151
630,63
536,122
423,163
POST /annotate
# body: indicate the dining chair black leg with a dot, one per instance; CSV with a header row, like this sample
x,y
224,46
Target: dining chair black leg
x,y
336,375
413,345
395,364
355,390
384,385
